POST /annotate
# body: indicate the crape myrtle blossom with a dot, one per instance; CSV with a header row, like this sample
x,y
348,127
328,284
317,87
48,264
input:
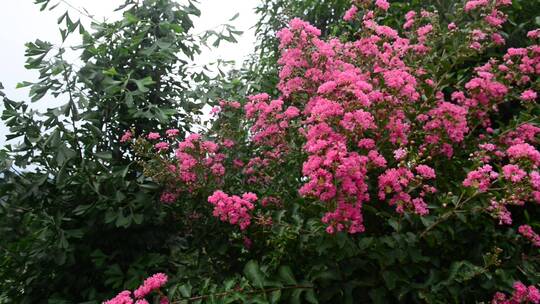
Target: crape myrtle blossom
x,y
529,234
521,294
364,118
360,128
151,284
233,209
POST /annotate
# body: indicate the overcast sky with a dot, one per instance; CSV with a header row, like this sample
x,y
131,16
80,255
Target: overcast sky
x,y
21,22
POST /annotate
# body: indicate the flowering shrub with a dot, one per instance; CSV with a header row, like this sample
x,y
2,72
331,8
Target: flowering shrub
x,y
373,147
151,284
521,294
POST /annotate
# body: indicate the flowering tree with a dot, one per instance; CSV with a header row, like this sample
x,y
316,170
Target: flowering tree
x,y
377,173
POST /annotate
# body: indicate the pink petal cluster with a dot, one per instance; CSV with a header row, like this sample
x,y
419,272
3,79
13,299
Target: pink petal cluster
x,y
481,178
398,182
524,152
521,294
382,4
350,13
233,209
172,132
162,146
513,173
425,171
153,136
499,211
168,197
447,124
528,95
529,234
123,297
151,284
474,4
126,137
193,154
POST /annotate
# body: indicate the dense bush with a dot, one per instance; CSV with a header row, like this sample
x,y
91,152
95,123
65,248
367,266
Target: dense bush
x,y
76,218
392,161
377,174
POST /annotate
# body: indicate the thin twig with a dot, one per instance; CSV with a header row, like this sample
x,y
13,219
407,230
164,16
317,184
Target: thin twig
x,y
250,292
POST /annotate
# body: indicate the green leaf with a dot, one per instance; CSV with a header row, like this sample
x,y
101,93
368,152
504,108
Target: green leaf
x,y
285,273
143,83
234,17
390,279
254,274
106,155
311,297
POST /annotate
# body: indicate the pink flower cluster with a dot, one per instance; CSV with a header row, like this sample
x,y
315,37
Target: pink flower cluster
x,y
270,120
233,209
151,284
524,152
521,294
513,173
500,212
192,155
350,13
529,234
128,135
399,181
362,111
481,178
447,124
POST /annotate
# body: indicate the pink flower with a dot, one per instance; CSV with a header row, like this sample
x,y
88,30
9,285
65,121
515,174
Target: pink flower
x,y
529,234
233,209
497,39
122,298
400,153
480,178
382,4
172,132
452,26
474,4
450,119
394,180
420,207
496,18
228,143
327,87
161,146
524,152
366,143
425,171
521,294
528,95
513,173
153,135
292,112
168,197
164,300
350,13
150,284
499,211
126,137
533,34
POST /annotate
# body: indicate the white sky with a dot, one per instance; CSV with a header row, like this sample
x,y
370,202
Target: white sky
x,y
21,22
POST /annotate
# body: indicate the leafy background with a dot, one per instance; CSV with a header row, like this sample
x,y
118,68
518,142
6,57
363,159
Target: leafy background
x,y
78,220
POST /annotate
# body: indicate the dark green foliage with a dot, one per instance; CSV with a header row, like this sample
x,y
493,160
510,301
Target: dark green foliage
x,y
77,219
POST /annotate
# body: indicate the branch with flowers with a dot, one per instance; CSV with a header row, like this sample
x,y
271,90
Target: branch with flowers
x,y
363,133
